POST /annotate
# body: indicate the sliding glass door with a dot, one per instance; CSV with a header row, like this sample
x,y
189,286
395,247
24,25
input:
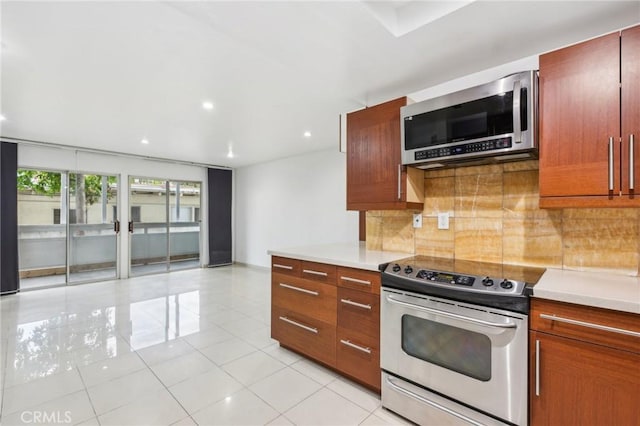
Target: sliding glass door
x,y
93,227
184,226
67,227
164,225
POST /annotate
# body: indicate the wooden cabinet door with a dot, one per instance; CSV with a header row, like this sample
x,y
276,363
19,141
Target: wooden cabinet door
x,y
630,89
373,155
579,112
582,383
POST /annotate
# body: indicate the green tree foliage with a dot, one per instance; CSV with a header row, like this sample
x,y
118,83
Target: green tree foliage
x,y
39,182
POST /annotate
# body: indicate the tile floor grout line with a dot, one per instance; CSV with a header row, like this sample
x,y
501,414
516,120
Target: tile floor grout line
x,y
86,390
164,385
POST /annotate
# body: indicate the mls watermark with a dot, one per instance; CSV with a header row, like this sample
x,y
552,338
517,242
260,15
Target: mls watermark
x,y
49,417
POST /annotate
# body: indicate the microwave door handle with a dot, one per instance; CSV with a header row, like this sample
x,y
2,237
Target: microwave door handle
x,y
517,125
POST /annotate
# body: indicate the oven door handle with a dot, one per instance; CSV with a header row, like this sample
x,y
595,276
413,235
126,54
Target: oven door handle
x,y
452,315
433,404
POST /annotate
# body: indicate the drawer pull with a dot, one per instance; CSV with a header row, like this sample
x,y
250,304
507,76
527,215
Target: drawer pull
x,y
301,290
352,303
355,280
354,346
312,272
591,325
297,324
277,265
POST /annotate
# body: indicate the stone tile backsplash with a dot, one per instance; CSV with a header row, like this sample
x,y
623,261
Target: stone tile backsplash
x,y
494,217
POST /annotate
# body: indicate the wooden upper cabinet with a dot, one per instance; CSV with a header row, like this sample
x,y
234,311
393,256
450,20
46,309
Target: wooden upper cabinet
x,y
584,153
376,179
630,77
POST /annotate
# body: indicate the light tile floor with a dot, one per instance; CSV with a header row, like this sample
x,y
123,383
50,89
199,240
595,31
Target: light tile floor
x,y
189,347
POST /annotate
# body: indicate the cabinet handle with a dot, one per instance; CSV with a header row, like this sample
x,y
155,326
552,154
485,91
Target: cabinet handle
x,y
610,164
301,290
355,280
631,163
517,126
591,325
352,303
354,346
297,324
537,367
277,265
309,271
399,181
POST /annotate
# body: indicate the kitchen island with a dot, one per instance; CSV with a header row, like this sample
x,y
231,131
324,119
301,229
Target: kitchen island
x,y
325,304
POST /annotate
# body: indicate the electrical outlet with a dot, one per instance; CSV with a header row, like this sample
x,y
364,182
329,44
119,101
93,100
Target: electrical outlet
x,y
417,220
443,220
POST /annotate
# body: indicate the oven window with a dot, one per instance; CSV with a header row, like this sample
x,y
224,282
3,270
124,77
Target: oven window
x,y
457,349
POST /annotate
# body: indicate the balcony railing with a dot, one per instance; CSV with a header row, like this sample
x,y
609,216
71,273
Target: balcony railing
x,y
42,248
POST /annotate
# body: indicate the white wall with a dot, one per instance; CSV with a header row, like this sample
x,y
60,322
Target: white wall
x,y
63,159
292,202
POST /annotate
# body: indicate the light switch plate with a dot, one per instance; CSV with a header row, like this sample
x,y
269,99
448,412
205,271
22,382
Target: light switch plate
x,y
417,220
443,220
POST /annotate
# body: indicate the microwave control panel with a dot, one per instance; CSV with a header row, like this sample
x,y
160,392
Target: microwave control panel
x,y
465,148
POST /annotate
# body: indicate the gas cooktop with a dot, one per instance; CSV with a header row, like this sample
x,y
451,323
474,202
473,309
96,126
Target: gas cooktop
x,y
489,284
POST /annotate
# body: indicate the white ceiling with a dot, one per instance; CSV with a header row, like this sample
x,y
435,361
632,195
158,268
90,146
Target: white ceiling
x,y
105,75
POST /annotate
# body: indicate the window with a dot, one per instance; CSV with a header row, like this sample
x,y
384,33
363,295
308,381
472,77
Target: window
x,y
56,216
135,214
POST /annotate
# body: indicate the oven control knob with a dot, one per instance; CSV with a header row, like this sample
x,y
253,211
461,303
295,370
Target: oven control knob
x,y
506,284
408,269
488,282
422,274
396,268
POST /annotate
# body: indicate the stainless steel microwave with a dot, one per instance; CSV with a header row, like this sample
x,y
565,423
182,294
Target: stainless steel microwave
x,y
494,122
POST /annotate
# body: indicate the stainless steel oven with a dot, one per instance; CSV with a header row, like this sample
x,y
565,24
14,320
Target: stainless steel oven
x,y
447,357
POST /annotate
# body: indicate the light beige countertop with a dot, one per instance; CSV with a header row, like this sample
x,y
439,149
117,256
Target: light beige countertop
x,y
602,290
352,255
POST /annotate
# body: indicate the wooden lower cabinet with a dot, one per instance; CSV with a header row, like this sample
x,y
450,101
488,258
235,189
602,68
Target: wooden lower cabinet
x,y
312,299
329,314
358,356
574,381
304,334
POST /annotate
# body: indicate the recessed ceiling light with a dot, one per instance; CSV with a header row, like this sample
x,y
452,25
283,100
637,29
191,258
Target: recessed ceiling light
x,y
208,105
2,117
145,141
307,134
230,153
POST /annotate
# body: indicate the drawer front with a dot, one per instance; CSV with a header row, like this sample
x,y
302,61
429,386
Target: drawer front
x,y
358,356
359,279
284,265
359,311
585,323
309,336
319,272
311,298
